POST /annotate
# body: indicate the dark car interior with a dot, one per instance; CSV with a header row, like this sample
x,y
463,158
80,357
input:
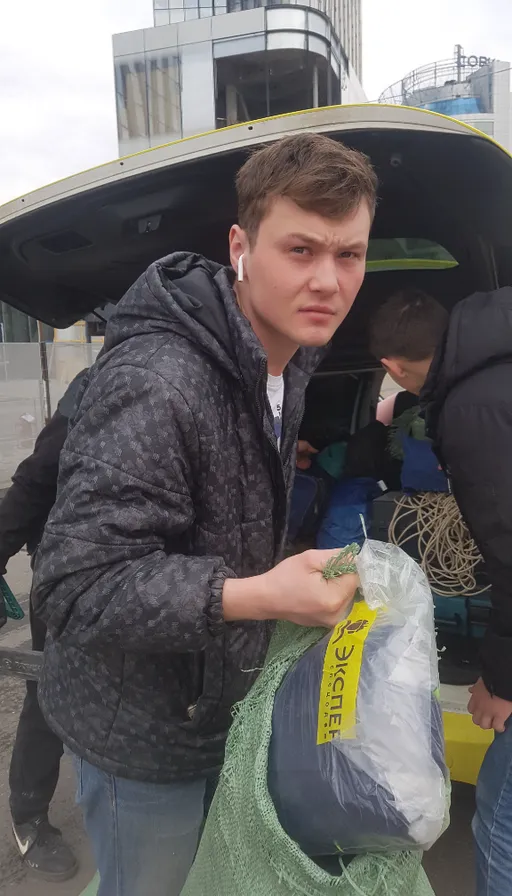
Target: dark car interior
x,y
61,261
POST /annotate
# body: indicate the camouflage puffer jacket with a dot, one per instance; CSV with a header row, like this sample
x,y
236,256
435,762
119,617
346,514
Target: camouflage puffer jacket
x,y
170,481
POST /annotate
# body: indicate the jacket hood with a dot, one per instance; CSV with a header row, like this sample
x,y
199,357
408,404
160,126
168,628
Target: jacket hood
x,y
479,334
192,297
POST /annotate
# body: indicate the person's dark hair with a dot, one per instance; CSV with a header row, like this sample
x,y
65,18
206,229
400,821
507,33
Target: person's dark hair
x,y
410,325
316,172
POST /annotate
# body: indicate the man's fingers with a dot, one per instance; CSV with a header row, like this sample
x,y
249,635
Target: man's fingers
x,y
306,448
304,453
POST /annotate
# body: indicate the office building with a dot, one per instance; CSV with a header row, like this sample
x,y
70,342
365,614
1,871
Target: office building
x,y
211,63
474,89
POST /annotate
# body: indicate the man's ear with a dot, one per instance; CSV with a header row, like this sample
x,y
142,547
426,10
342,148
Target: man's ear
x,y
393,368
237,245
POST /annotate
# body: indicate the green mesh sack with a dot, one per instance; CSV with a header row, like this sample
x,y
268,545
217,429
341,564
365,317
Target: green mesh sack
x,y
243,850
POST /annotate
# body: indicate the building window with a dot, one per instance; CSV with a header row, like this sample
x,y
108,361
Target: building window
x,y
191,10
15,326
148,98
163,91
238,46
284,78
197,88
284,40
284,19
318,24
298,80
161,17
131,98
318,46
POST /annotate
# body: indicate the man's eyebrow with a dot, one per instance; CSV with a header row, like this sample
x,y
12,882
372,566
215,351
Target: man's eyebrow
x,y
306,238
320,241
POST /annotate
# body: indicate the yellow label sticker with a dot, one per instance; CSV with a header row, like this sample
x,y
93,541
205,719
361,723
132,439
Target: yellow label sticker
x,y
340,676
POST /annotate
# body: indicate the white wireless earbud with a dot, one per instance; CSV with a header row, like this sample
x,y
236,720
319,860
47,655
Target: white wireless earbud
x,y
240,272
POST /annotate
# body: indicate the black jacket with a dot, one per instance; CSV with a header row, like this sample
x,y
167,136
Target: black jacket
x,y
25,506
170,481
468,400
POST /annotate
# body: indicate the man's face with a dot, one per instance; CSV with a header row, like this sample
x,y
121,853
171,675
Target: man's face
x,y
302,273
410,375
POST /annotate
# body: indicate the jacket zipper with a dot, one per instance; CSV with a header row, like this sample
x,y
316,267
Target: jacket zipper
x,y
276,463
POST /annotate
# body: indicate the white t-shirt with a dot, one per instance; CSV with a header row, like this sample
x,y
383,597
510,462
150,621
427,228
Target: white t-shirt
x,y
275,392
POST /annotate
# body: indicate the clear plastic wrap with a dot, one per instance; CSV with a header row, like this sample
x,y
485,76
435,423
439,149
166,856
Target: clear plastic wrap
x,y
356,759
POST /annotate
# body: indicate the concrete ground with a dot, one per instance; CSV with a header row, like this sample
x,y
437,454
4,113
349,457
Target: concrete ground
x,y
449,864
13,880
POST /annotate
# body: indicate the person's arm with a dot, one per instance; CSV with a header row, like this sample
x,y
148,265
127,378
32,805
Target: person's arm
x,y
109,566
27,503
476,444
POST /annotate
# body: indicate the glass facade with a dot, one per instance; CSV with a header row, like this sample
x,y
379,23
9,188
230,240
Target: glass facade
x,y
16,326
345,16
170,12
197,89
148,98
272,74
295,61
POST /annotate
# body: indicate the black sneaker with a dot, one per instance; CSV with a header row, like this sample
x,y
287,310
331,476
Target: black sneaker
x,y
43,850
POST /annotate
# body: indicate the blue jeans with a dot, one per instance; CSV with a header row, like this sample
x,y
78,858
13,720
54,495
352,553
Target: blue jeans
x,y
492,825
144,836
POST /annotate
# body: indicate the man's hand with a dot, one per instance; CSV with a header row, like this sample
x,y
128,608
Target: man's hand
x,y
305,452
488,711
294,590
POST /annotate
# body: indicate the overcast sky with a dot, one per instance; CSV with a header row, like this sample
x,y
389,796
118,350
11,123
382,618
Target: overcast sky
x,y
57,112
400,35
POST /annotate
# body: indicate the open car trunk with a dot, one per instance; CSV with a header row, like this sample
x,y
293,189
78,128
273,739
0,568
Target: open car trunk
x,y
77,245
338,407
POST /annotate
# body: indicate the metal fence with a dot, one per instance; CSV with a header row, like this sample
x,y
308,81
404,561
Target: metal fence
x,y
33,378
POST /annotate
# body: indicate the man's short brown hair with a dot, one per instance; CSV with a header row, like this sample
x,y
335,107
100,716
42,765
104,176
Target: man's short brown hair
x,y
316,172
410,326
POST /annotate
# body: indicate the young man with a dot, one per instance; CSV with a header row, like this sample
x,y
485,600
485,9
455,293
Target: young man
x,y
37,752
35,760
463,369
156,574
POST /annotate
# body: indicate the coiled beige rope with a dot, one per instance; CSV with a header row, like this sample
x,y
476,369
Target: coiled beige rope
x,y
448,554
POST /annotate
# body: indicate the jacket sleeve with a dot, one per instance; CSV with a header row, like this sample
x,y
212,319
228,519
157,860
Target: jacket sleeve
x,y
476,445
27,503
113,565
